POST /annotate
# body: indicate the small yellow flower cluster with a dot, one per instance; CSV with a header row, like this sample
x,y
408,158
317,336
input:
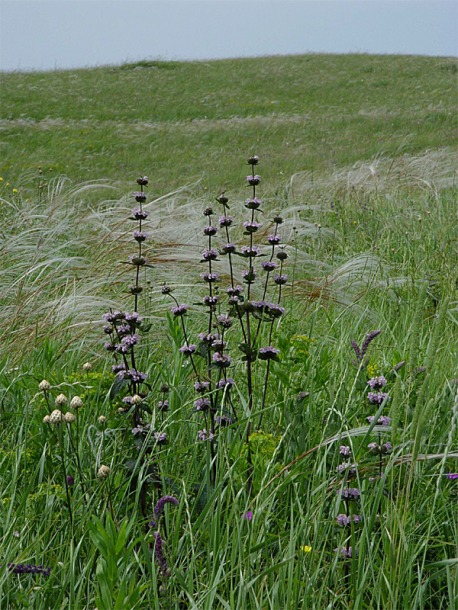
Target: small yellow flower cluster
x,y
7,184
306,549
372,370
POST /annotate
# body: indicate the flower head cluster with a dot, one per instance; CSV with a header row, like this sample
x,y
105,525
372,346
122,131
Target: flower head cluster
x,y
28,568
203,435
345,520
377,397
349,493
383,420
376,383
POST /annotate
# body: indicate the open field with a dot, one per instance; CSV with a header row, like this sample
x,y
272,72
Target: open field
x,y
327,477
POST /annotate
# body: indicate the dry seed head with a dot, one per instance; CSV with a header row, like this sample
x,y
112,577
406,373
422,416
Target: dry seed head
x,y
103,472
69,418
76,402
61,400
87,366
136,399
44,386
102,419
46,419
56,417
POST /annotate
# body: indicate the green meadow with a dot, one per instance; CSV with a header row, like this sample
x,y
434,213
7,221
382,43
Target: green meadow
x,y
325,474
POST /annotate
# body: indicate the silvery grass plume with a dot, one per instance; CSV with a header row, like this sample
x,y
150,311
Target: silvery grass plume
x,y
434,170
175,222
49,277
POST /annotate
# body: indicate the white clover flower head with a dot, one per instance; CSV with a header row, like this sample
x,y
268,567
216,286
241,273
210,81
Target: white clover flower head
x,y
46,419
61,400
44,386
69,418
103,472
76,402
87,366
56,417
102,419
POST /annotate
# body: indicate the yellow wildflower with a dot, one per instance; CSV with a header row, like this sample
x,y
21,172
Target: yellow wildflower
x,y
306,549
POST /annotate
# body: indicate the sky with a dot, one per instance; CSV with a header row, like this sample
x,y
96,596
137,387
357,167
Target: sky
x,y
58,34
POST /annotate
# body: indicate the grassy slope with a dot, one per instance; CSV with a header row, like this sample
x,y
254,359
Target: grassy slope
x,y
182,121
54,260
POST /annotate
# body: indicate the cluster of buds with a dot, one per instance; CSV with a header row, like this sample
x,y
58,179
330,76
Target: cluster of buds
x,y
377,396
58,416
158,540
350,496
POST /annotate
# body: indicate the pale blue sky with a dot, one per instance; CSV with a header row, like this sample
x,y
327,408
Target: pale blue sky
x,y
48,34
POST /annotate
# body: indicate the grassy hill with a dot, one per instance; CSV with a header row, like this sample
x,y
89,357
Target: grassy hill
x,y
182,121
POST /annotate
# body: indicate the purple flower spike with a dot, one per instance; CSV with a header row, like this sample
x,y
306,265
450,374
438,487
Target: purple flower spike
x,y
377,397
29,568
268,353
159,554
140,236
377,382
159,508
452,476
251,227
221,360
225,221
188,350
179,310
349,493
140,196
253,180
139,214
274,239
253,204
269,265
228,249
280,279
383,420
202,404
210,255
344,552
248,516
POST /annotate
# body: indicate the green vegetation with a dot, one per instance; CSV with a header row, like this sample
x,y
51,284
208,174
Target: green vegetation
x,y
358,154
180,120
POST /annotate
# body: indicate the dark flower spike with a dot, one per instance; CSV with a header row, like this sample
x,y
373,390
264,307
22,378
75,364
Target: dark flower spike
x,y
222,199
159,554
139,214
268,353
360,353
345,552
28,568
225,221
253,203
368,340
159,508
140,197
253,160
349,493
142,181
253,180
